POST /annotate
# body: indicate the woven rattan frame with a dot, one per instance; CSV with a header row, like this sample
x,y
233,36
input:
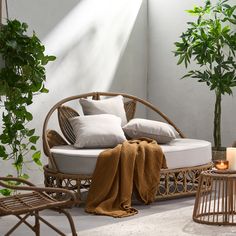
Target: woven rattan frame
x,y
215,202
174,182
24,205
72,182
180,182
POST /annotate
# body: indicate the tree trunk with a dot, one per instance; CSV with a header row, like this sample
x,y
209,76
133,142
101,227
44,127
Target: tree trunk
x,y
217,121
0,12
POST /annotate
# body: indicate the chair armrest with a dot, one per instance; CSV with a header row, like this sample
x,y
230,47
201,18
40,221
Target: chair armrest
x,y
32,187
14,179
47,190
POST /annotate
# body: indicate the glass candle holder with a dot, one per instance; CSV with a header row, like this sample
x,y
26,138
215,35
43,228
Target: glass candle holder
x,y
221,164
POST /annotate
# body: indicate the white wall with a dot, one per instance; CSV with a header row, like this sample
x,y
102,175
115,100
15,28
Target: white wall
x,y
187,102
70,31
131,73
98,44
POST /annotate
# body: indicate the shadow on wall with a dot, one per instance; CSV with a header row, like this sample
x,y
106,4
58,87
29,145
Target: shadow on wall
x,y
88,37
88,42
131,73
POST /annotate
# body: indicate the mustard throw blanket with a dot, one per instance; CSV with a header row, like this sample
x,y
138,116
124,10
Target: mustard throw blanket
x,y
132,166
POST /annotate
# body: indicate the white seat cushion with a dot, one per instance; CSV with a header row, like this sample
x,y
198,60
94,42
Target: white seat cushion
x,y
179,153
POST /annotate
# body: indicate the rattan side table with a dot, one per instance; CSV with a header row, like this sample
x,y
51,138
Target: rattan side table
x,y
215,202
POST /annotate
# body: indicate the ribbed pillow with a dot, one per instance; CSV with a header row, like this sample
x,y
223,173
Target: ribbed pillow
x,y
130,108
64,113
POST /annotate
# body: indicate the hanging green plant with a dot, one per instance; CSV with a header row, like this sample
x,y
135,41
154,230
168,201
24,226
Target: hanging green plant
x,y
21,77
210,41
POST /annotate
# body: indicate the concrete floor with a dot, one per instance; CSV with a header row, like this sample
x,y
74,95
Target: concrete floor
x,y
162,218
84,221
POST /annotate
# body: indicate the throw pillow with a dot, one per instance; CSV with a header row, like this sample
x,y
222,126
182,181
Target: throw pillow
x,y
160,131
114,106
64,113
130,108
95,131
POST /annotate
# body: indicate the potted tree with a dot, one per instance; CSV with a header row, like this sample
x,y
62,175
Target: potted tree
x,y
21,76
210,41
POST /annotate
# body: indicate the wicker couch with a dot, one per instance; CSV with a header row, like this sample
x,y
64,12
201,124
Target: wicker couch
x,y
180,181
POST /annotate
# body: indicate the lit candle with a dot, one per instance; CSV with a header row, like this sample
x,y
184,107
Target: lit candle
x,y
231,157
221,165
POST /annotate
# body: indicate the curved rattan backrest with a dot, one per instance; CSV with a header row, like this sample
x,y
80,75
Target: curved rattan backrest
x,y
130,107
64,113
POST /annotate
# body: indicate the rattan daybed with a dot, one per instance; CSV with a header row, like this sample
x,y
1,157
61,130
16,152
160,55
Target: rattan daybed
x,y
72,168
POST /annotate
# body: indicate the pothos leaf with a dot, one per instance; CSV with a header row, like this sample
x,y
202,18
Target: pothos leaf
x,y
36,158
21,76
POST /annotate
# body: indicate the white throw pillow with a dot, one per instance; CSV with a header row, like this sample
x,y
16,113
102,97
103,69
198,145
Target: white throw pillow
x,y
161,132
114,106
96,131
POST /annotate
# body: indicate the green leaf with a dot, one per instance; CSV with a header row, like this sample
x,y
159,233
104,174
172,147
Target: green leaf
x,y
44,90
33,148
233,21
3,153
34,139
36,158
18,126
24,176
18,162
46,59
28,116
24,26
226,29
24,146
51,58
180,60
30,132
5,192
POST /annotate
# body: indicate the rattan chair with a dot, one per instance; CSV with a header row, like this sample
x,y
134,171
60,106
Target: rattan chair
x,y
23,205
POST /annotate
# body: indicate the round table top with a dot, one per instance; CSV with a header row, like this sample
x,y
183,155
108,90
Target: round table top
x,y
220,173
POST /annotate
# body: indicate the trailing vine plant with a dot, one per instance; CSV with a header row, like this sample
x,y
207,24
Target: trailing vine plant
x,y
210,41
21,77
